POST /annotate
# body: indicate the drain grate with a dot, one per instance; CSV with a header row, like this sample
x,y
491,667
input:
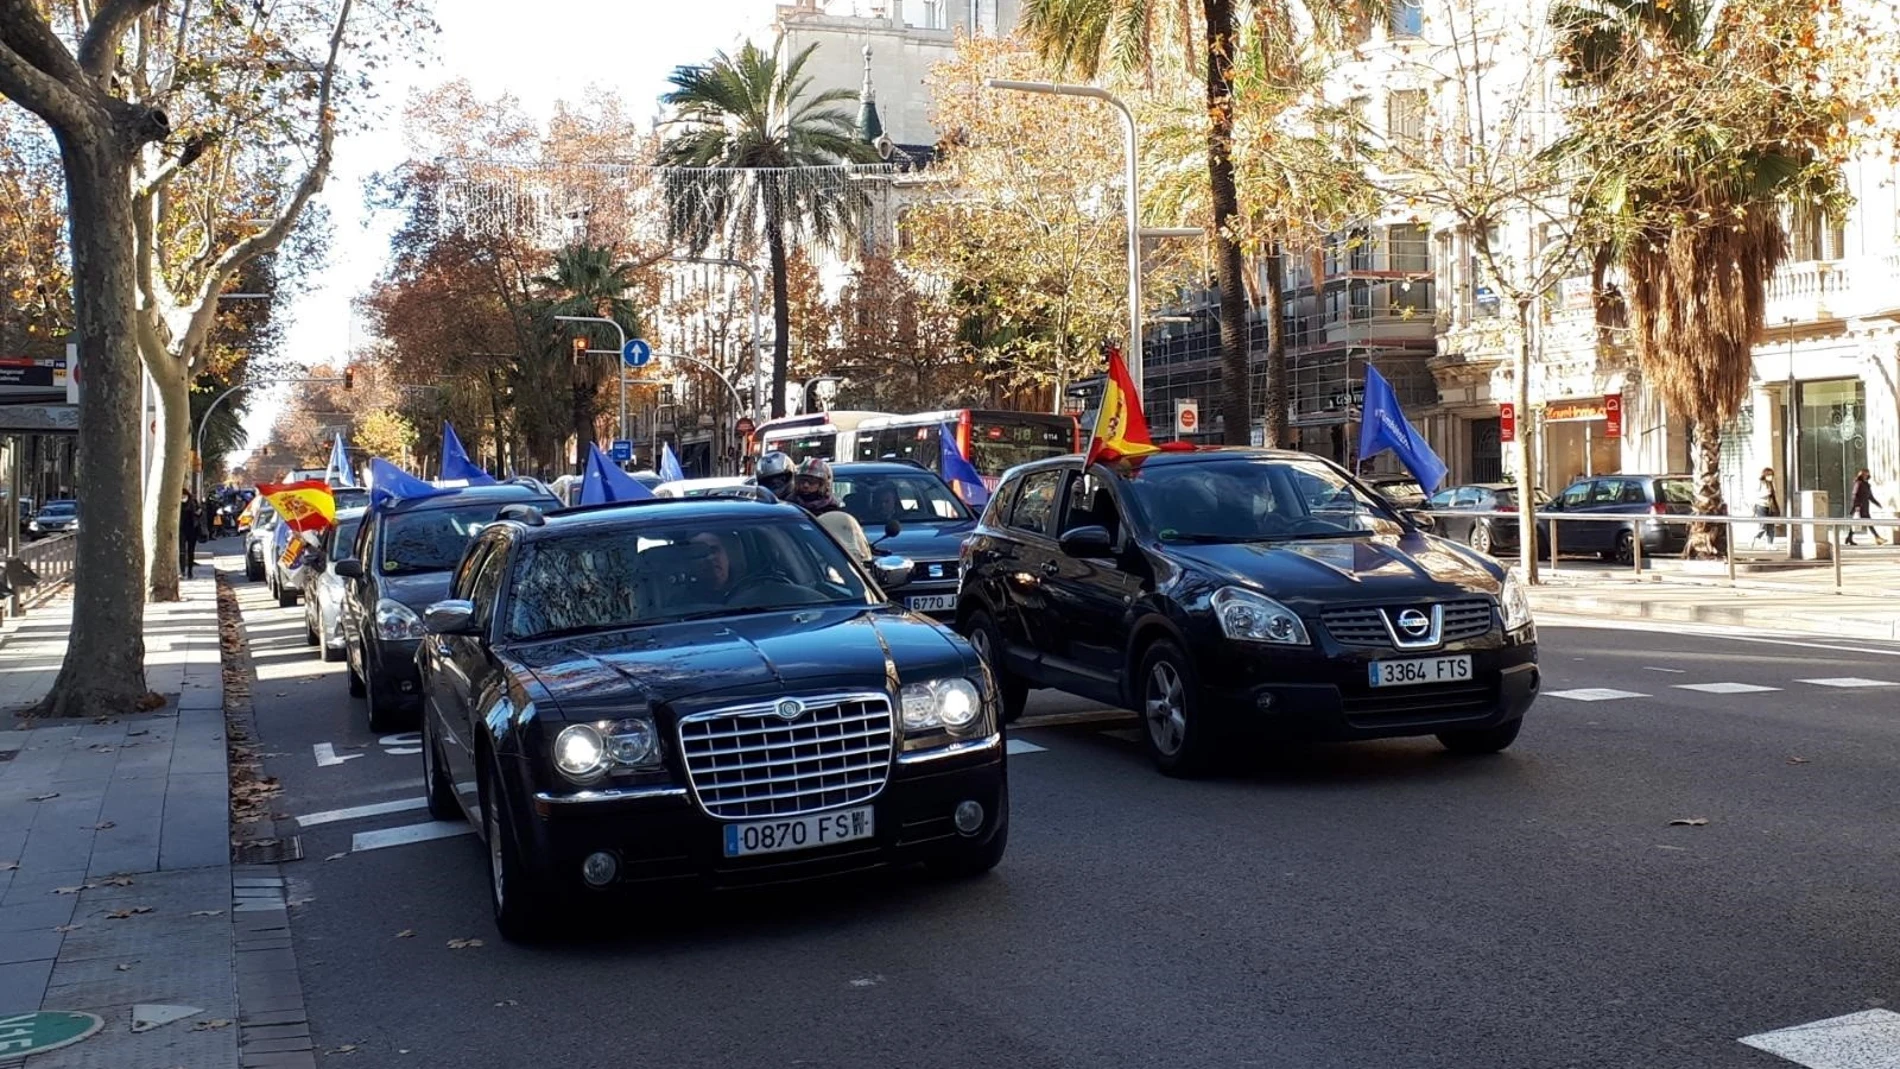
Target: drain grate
x,y
267,851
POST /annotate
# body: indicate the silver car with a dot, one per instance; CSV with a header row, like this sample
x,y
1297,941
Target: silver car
x,y
287,584
324,590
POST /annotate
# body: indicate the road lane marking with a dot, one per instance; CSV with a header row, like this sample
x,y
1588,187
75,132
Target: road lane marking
x,y
1725,688
327,755
1671,671
1856,1041
1725,632
409,833
332,816
408,742
1848,681
1019,746
1593,694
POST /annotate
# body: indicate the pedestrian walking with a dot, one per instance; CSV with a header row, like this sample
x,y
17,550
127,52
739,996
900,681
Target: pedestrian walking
x,y
1766,504
189,531
1863,507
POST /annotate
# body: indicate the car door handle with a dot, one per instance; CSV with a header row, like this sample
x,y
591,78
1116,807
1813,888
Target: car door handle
x,y
1049,569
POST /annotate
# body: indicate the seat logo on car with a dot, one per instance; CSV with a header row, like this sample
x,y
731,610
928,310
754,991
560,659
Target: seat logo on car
x,y
1414,623
790,709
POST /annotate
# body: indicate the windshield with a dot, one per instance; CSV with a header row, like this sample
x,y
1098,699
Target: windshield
x,y
343,542
998,445
58,509
632,576
1675,492
1254,499
350,497
907,497
432,540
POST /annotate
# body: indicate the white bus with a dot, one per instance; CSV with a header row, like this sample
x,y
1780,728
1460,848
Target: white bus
x,y
831,435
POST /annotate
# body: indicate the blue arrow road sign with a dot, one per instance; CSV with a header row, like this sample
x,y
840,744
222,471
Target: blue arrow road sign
x,y
622,450
636,352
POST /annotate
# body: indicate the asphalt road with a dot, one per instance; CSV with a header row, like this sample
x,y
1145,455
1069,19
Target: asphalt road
x,y
1339,907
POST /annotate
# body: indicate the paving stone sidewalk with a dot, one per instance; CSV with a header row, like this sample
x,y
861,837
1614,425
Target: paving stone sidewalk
x,y
115,862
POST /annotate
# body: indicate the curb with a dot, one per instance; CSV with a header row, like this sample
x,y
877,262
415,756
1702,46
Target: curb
x,y
273,1023
1762,619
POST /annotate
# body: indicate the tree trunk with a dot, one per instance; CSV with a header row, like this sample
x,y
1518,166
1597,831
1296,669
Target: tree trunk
x,y
172,387
1521,448
1278,434
1706,541
104,670
781,310
1235,346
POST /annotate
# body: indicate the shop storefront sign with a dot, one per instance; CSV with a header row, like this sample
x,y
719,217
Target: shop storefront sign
x,y
1507,423
1613,416
1571,411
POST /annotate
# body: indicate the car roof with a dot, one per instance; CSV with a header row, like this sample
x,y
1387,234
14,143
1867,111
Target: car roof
x,y
583,518
354,512
1198,455
499,494
879,467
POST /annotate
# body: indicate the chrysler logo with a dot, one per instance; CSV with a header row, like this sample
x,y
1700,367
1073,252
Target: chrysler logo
x,y
1414,623
790,709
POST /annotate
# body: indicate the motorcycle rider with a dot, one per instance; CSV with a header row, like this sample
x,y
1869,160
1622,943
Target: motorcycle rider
x,y
775,472
812,491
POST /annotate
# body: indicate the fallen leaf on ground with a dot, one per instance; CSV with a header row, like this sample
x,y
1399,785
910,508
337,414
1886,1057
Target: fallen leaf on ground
x,y
68,890
283,694
130,911
136,734
123,967
1797,760
406,933
119,881
9,866
463,944
211,1025
103,825
347,1048
45,797
207,912
338,857
1688,822
507,1002
68,928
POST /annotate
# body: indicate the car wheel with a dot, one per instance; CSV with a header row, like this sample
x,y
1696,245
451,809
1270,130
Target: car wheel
x,y
1625,552
382,713
521,914
286,596
357,688
331,653
253,568
1176,729
437,785
310,637
1482,740
1480,538
987,639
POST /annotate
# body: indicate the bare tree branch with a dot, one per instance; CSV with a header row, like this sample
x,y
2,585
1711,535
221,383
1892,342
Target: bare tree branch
x,y
35,70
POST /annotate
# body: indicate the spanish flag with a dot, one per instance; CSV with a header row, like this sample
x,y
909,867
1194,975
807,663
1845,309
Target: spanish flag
x,y
305,506
1120,428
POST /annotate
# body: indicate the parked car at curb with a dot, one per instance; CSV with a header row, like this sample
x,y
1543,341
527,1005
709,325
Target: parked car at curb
x,y
703,693
56,517
404,559
259,537
909,511
1483,532
1632,495
1234,592
325,590
1405,495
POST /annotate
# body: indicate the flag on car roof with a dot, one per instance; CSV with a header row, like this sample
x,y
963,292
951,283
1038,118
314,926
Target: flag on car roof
x,y
389,484
958,471
456,467
338,474
305,506
1383,426
603,483
1121,430
670,470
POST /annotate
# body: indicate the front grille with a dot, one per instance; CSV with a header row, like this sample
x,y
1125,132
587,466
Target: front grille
x,y
750,762
1366,627
1399,705
934,571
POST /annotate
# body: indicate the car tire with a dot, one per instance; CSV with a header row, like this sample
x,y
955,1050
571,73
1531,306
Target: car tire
x,y
970,862
1175,727
1625,552
436,784
987,638
517,897
253,570
310,637
1482,740
357,687
286,597
1480,538
331,654
382,714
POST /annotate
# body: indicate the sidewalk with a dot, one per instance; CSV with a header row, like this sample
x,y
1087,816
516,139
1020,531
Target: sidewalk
x,y
115,855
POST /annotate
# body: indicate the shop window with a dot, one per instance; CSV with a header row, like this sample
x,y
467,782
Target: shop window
x,y
1405,18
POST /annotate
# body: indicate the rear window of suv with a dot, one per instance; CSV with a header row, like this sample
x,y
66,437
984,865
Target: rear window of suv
x,y
1675,492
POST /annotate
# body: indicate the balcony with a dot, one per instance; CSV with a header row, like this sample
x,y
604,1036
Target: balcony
x,y
1825,290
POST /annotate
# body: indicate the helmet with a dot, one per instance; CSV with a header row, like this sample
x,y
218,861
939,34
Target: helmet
x,y
818,470
775,474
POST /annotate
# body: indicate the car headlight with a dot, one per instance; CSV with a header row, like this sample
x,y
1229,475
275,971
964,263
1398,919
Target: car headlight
x,y
585,753
952,704
1252,617
1515,606
580,753
34,526
396,621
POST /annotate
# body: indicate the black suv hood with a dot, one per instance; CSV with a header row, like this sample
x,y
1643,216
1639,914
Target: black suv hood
x,y
705,662
1331,570
925,541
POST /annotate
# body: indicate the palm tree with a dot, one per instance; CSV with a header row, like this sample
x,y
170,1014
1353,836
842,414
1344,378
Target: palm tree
x,y
1709,130
1252,41
587,280
748,130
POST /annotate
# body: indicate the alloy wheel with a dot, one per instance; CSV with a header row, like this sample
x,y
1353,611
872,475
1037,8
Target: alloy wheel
x,y
1165,709
1481,538
980,642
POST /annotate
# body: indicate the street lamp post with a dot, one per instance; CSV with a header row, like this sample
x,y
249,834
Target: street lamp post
x,y
198,444
760,406
620,361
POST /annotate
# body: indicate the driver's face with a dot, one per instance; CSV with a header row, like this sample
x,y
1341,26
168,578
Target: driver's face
x,y
718,563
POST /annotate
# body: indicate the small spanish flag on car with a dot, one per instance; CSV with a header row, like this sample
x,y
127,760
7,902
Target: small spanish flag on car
x,y
305,506
1121,430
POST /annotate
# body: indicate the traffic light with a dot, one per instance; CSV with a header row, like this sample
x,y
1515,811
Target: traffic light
x,y
349,378
580,349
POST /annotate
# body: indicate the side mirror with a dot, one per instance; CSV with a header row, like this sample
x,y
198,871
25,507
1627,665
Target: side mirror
x,y
349,569
892,528
1085,542
452,617
892,572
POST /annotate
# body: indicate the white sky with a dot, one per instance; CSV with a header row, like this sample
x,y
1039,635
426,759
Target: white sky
x,y
542,51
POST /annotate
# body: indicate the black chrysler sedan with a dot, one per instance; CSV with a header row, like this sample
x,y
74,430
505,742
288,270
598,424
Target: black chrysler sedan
x,y
404,556
698,692
1223,591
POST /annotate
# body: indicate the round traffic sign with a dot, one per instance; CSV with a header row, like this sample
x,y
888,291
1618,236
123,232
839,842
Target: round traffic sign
x,y
636,352
31,1033
746,426
1189,418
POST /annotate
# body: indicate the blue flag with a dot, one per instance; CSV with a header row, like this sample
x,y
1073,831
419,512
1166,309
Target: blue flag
x,y
455,463
958,472
339,470
389,484
1383,426
670,470
603,483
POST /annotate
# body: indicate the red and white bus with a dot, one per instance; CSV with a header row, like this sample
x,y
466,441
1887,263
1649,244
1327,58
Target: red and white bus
x,y
992,440
815,434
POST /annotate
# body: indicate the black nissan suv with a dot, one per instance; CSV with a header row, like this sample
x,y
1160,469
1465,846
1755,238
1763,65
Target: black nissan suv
x,y
1230,589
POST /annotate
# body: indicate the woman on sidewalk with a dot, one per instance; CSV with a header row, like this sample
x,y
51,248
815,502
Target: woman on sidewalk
x,y
188,533
1864,505
1766,504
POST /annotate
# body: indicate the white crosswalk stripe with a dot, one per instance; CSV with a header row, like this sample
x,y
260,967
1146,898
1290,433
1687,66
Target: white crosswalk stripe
x,y
1849,682
1856,1041
1593,694
1725,688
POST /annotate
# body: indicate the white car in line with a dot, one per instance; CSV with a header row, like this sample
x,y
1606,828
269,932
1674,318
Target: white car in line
x,y
698,487
324,590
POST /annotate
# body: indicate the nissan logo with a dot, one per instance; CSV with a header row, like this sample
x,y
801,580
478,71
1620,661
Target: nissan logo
x,y
1414,623
790,709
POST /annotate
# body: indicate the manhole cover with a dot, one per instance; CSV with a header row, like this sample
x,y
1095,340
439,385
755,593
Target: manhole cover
x,y
267,851
31,1033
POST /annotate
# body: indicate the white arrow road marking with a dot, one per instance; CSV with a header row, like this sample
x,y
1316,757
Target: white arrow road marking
x,y
409,833
1864,1040
408,742
327,755
1593,694
1019,746
331,816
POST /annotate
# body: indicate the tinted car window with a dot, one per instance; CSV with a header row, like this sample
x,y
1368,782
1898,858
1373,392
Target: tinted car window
x,y
432,540
487,586
1036,502
1091,504
1576,496
1675,492
1469,497
1442,499
59,510
919,497
1244,499
340,543
604,580
350,497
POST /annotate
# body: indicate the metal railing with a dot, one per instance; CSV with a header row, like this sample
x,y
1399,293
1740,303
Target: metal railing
x,y
1801,543
51,560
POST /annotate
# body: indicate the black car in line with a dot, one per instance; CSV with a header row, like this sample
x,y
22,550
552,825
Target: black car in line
x,y
907,510
1475,525
1243,589
700,693
404,557
1635,496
